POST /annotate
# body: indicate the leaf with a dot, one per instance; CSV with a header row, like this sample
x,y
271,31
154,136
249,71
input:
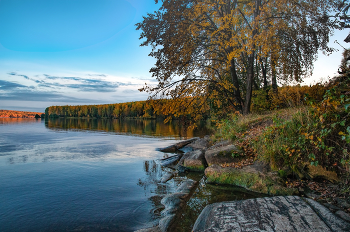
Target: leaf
x,y
347,106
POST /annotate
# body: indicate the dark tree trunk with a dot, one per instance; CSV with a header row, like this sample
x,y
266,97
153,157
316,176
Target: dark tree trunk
x,y
250,79
236,92
273,74
250,76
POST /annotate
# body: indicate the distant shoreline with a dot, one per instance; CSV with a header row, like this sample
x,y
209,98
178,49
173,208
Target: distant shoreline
x,y
19,114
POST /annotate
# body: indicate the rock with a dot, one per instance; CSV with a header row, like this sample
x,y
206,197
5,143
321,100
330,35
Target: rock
x,y
173,203
167,176
331,207
343,215
313,196
221,155
181,144
290,213
182,169
195,161
201,144
251,177
335,223
171,148
186,186
170,161
165,222
177,146
343,203
220,144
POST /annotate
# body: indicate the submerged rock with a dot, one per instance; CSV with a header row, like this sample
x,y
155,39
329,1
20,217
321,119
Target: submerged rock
x,y
170,161
173,203
290,213
167,176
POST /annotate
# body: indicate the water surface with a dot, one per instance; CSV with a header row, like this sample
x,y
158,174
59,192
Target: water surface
x,y
64,179
93,175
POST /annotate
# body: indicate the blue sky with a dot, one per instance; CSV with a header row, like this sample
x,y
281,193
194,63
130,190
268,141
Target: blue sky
x,y
68,52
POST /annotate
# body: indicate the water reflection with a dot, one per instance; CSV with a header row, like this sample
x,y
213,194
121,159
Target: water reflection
x,y
143,127
18,120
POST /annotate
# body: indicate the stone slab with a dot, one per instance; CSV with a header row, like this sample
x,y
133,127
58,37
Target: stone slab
x,y
290,213
222,155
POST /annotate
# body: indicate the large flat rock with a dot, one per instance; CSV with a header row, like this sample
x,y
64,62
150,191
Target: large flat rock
x,y
222,154
290,213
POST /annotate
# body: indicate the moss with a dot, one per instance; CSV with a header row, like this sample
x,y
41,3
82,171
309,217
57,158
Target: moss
x,y
282,173
199,168
234,178
251,181
280,190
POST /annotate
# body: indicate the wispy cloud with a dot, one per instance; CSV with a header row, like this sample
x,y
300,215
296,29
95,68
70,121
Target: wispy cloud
x,y
27,95
85,84
46,89
80,84
8,85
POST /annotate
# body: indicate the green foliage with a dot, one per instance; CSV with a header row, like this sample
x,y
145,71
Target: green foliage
x,y
319,135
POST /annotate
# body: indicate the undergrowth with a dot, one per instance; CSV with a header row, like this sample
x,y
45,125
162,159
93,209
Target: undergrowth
x,y
316,132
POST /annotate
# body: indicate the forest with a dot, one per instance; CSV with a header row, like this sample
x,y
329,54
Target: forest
x,y
19,114
139,109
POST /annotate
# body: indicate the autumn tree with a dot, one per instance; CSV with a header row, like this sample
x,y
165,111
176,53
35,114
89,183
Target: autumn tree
x,y
217,50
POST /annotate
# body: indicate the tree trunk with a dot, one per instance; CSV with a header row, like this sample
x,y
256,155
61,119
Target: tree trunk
x,y
264,73
273,73
250,79
236,92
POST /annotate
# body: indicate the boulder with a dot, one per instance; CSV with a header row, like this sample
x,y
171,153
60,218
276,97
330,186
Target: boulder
x,y
177,146
290,213
167,176
201,144
253,177
222,143
222,154
193,161
170,161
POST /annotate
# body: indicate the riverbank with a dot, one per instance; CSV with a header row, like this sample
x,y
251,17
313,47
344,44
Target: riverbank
x,y
222,163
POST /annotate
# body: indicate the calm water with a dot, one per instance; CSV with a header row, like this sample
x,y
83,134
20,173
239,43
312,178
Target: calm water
x,y
90,175
82,175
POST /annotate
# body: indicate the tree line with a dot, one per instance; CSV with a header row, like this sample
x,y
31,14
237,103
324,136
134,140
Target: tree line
x,y
139,109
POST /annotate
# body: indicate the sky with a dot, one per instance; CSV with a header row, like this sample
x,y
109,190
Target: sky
x,y
77,52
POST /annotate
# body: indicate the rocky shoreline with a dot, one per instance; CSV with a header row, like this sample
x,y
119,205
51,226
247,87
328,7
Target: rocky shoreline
x,y
224,163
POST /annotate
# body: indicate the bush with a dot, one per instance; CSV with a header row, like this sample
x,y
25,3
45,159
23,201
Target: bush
x,y
286,96
319,135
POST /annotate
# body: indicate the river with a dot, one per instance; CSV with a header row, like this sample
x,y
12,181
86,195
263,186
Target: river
x,y
92,175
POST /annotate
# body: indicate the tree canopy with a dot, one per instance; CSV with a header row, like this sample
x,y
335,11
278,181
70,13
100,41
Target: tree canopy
x,y
213,53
